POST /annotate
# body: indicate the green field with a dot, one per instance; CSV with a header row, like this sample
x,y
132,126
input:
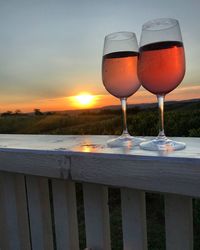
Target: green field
x,y
181,119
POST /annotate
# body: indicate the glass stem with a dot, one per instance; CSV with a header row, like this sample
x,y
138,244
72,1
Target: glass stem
x,y
161,100
123,102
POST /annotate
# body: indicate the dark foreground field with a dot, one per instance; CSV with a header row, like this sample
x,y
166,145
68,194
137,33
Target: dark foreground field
x,y
181,119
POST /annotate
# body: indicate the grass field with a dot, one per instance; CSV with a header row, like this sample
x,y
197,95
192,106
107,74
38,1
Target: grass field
x,y
181,119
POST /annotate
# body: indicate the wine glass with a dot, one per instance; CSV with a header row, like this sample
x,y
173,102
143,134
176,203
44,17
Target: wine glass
x,y
119,75
161,68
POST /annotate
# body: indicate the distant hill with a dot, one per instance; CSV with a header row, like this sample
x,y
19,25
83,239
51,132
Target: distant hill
x,y
155,104
141,106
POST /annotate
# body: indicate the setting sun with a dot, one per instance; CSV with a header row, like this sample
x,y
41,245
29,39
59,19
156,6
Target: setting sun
x,y
85,99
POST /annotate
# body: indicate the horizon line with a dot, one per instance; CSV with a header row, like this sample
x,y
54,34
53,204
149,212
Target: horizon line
x,y
104,107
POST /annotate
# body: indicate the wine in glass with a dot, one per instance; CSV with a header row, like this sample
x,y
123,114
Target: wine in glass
x,y
161,68
119,74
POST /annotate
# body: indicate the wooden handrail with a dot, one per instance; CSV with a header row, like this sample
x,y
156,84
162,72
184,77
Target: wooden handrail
x,y
88,159
38,198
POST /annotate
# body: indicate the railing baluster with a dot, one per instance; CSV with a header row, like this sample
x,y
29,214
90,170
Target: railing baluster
x,y
178,221
133,219
39,213
14,228
65,215
96,216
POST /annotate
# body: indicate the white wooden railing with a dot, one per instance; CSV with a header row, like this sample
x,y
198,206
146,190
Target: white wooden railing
x,y
33,167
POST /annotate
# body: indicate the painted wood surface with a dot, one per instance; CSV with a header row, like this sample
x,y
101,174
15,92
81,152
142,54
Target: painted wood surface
x,y
96,217
40,163
62,144
39,213
133,219
14,225
179,223
144,173
65,215
88,159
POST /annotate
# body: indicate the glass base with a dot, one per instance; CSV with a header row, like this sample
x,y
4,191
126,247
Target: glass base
x,y
162,144
125,140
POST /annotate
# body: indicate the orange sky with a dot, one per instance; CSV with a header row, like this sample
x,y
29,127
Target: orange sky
x,y
51,52
71,103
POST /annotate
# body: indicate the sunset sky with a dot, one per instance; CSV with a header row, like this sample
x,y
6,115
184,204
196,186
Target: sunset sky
x,y
51,51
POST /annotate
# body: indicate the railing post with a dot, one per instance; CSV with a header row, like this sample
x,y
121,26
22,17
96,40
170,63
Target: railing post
x,y
39,213
96,216
133,219
178,222
65,215
14,227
